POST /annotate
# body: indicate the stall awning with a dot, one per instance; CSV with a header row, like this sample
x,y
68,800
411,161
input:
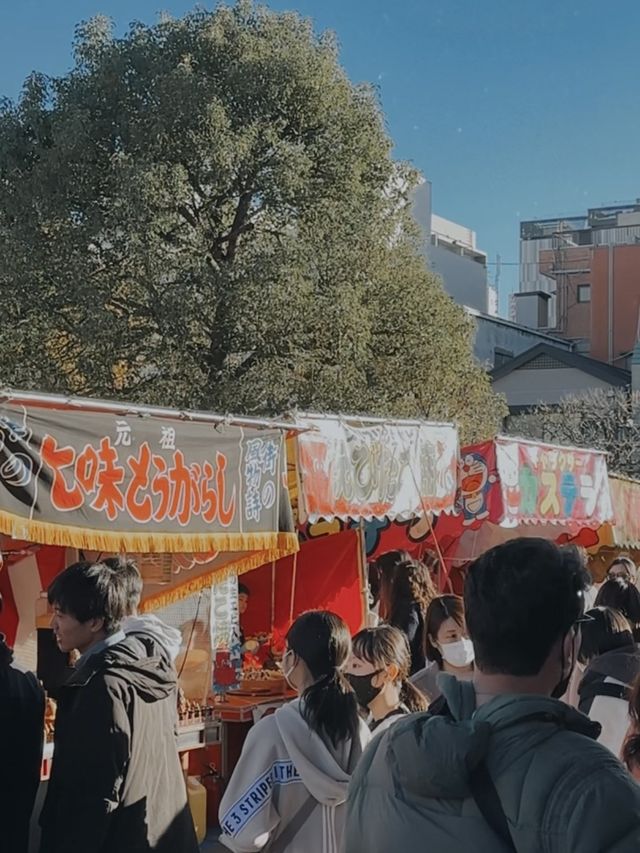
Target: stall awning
x,y
625,496
83,475
349,469
512,482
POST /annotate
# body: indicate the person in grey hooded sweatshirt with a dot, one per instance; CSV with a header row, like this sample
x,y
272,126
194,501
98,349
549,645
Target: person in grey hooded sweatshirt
x,y
288,791
169,639
501,764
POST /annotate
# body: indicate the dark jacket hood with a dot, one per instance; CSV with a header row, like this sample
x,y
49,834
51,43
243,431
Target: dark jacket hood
x,y
138,661
455,745
622,664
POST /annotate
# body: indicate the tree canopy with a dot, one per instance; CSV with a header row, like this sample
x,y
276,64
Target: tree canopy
x,y
206,213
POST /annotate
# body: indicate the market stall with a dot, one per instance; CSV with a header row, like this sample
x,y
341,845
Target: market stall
x,y
195,498
510,487
347,476
624,537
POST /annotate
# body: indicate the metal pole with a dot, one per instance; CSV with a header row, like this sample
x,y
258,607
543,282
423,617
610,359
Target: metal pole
x,y
55,401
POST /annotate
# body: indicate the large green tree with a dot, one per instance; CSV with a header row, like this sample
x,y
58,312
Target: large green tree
x,y
206,213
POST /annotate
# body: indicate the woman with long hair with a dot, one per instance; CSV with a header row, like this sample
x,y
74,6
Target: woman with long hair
x,y
612,663
406,590
378,671
622,594
448,647
289,789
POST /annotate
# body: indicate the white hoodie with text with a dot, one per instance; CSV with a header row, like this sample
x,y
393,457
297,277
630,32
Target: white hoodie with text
x,y
282,763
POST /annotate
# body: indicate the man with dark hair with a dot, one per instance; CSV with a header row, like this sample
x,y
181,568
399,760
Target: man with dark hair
x,y
148,624
116,783
21,741
500,764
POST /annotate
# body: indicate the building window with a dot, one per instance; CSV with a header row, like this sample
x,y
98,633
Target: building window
x,y
584,293
501,356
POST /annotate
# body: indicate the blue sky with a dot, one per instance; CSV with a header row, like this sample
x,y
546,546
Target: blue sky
x,y
514,109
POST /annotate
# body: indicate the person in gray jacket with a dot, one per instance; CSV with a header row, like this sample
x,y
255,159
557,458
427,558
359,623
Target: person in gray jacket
x,y
500,764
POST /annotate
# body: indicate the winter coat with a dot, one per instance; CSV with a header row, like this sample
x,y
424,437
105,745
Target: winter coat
x,y
561,791
21,741
604,693
283,764
116,784
412,626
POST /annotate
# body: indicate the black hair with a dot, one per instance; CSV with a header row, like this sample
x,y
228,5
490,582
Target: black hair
x,y
322,640
520,599
133,580
441,608
243,589
604,630
91,591
385,645
622,595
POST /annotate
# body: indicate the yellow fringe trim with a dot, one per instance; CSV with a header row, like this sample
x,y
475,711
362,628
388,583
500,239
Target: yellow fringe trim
x,y
66,536
190,586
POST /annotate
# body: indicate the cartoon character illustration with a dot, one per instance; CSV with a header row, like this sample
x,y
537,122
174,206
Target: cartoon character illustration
x,y
475,482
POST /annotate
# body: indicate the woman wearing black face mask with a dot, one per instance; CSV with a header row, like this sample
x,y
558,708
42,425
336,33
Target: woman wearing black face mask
x,y
378,671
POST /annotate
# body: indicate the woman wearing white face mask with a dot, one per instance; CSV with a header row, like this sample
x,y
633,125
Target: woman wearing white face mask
x,y
448,647
288,792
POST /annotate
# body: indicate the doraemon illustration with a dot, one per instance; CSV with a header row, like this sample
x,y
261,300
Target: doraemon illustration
x,y
475,482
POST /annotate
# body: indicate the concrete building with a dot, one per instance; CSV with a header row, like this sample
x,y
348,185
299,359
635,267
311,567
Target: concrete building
x,y
452,253
579,280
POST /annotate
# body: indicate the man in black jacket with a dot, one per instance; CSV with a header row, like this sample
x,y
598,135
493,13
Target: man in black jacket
x,y
21,737
116,784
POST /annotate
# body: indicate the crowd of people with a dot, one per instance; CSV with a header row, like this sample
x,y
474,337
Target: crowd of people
x,y
506,719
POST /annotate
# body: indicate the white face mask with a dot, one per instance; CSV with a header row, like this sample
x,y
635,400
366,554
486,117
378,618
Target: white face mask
x,y
288,672
458,654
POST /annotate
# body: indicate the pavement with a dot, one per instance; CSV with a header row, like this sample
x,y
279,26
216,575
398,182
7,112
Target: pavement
x,y
211,844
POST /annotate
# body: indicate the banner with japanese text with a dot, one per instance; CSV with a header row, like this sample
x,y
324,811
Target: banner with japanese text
x,y
625,495
511,482
387,470
99,481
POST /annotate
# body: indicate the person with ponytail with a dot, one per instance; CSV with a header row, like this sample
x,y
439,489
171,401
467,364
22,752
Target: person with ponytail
x,y
289,789
378,671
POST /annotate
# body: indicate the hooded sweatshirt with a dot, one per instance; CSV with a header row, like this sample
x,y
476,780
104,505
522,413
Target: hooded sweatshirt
x,y
617,669
116,784
168,638
561,791
283,764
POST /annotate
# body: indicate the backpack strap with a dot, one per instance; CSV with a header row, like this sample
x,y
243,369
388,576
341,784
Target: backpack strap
x,y
488,801
605,688
283,841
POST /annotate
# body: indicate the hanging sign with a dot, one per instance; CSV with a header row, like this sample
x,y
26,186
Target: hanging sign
x,y
511,482
380,471
106,482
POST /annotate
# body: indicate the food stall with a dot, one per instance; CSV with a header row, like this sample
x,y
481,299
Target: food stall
x,y
345,474
511,487
196,498
624,538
